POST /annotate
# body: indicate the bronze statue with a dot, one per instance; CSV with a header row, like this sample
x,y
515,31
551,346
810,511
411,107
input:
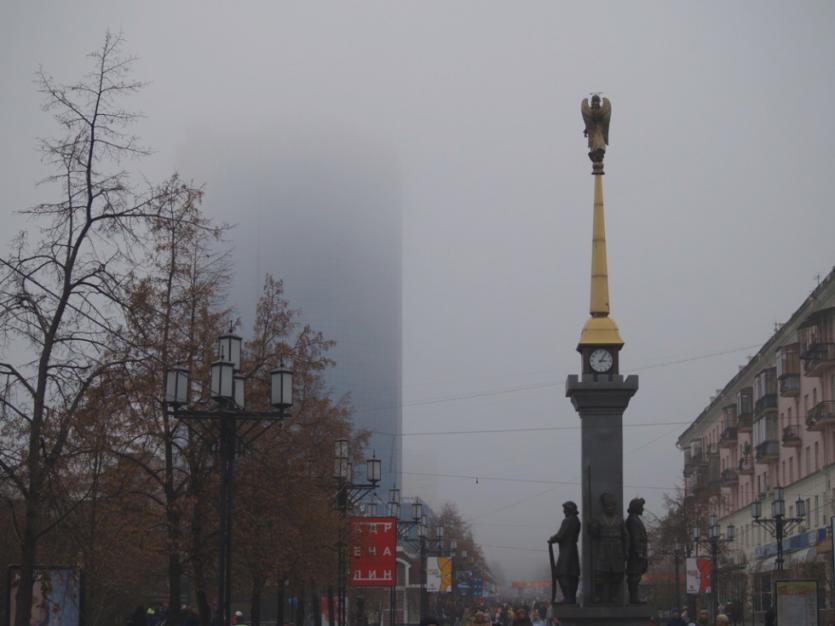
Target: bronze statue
x,y
596,116
608,545
567,568
636,553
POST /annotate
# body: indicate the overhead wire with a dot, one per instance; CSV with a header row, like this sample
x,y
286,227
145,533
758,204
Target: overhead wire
x,y
545,385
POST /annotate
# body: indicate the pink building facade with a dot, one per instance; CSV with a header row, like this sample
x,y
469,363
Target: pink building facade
x,y
772,425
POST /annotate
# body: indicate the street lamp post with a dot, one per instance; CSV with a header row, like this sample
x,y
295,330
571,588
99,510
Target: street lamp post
x,y
348,495
778,523
403,530
714,539
227,390
678,554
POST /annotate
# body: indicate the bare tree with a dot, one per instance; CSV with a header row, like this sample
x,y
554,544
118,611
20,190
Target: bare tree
x,y
62,290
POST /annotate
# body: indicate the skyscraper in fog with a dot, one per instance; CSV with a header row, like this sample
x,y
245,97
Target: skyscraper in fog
x,y
322,213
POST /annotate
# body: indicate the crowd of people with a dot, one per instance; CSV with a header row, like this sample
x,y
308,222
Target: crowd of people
x,y
539,614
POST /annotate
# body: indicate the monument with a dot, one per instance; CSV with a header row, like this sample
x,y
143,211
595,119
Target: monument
x,y
600,395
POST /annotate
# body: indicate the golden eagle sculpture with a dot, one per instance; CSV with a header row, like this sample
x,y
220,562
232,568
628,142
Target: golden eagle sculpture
x,y
596,114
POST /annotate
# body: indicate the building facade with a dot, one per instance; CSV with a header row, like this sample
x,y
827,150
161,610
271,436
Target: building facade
x,y
772,425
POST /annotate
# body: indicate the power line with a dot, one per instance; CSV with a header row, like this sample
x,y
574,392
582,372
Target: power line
x,y
477,478
546,385
541,550
484,431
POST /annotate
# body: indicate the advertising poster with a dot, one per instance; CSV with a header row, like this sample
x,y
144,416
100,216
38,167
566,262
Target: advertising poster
x,y
438,574
445,566
433,574
373,552
797,602
698,576
56,596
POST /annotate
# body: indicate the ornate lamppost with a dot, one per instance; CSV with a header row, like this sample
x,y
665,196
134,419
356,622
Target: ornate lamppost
x,y
404,529
714,539
778,523
348,495
227,390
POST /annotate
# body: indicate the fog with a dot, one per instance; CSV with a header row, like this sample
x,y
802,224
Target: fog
x,y
461,122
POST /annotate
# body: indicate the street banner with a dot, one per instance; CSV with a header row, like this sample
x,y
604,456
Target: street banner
x,y
797,602
438,574
531,584
323,609
56,596
433,575
445,565
373,552
698,576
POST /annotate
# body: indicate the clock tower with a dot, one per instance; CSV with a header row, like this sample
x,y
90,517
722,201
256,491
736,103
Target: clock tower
x,y
600,395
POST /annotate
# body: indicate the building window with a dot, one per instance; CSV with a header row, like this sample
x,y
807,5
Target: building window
x,y
783,469
791,470
818,512
817,460
814,396
808,460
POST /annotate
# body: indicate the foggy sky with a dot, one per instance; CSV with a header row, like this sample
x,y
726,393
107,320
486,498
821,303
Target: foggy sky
x,y
717,190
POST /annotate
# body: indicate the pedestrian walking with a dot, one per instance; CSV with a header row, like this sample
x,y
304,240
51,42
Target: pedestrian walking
x,y
675,619
138,617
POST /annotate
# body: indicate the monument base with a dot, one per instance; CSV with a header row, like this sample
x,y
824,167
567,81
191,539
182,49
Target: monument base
x,y
631,615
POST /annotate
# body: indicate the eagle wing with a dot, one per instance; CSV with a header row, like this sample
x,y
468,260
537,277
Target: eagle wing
x,y
606,114
585,109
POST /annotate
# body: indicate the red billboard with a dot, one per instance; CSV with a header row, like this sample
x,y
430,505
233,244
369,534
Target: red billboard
x,y
373,552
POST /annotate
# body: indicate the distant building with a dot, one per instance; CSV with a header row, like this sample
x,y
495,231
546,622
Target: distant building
x,y
773,424
320,210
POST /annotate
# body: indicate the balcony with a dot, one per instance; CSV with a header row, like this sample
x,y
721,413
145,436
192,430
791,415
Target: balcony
x,y
767,452
818,358
728,437
746,465
693,462
790,385
745,422
729,477
821,415
791,436
766,404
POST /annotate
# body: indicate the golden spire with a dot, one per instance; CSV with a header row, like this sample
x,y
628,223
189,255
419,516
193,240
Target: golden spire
x,y
600,329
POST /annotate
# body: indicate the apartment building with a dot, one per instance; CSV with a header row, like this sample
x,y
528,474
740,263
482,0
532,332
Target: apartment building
x,y
772,425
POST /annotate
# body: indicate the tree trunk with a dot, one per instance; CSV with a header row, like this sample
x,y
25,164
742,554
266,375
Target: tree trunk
x,y
300,607
175,566
314,605
279,604
255,603
198,564
28,554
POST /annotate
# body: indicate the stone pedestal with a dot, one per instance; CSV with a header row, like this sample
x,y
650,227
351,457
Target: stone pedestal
x,y
602,615
600,399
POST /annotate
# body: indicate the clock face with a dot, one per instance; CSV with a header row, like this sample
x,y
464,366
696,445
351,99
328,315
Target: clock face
x,y
601,360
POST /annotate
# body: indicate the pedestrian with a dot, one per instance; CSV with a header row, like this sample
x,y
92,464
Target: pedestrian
x,y
675,619
722,620
430,621
138,617
704,618
521,618
770,616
